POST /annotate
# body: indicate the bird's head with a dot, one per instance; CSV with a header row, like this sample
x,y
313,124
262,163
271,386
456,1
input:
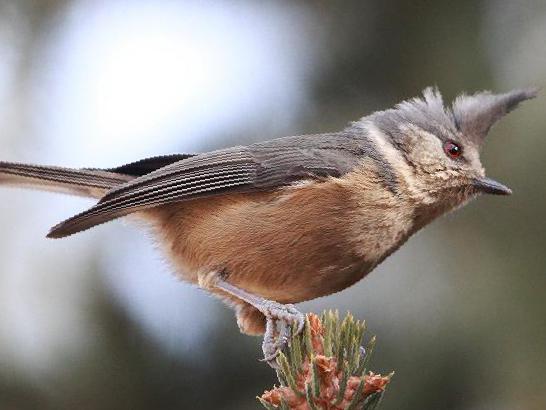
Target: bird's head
x,y
441,145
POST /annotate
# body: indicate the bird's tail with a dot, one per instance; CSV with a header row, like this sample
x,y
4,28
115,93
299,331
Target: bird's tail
x,y
88,182
92,183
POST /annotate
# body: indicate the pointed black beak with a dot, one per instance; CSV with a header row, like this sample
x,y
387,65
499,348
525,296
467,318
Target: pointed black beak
x,y
490,186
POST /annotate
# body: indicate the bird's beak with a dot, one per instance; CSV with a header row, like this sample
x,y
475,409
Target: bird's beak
x,y
490,186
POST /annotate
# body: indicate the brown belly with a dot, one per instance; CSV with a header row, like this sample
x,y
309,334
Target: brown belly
x,y
289,246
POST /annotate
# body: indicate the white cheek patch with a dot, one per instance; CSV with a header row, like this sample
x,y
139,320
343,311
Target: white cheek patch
x,y
432,159
397,161
391,154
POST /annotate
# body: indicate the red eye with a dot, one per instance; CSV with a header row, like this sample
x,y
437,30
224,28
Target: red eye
x,y
452,149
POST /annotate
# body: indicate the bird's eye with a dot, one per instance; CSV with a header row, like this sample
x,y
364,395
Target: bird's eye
x,y
452,149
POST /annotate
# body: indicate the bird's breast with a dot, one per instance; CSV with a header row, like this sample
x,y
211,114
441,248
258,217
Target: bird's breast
x,y
290,245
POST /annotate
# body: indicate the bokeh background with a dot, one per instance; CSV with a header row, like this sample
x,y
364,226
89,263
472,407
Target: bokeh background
x,y
97,321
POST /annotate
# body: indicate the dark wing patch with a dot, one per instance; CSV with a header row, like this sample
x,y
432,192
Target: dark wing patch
x,y
147,165
258,167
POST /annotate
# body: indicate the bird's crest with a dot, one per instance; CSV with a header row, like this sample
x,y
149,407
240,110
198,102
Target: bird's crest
x,y
470,115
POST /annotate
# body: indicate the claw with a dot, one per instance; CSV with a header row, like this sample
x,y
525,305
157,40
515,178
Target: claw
x,y
277,315
272,345
269,344
278,329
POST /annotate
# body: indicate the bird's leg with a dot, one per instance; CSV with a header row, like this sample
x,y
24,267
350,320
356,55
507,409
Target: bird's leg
x,y
279,317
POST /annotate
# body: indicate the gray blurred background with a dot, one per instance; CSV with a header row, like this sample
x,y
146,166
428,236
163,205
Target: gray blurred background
x,y
97,321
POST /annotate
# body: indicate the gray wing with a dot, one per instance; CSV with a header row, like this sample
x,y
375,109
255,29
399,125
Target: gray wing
x,y
258,167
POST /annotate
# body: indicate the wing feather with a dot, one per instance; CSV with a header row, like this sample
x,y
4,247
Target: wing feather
x,y
258,167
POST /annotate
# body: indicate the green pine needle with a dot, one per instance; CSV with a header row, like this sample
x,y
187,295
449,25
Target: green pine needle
x,y
338,343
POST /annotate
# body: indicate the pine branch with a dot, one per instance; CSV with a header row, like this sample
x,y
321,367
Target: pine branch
x,y
325,367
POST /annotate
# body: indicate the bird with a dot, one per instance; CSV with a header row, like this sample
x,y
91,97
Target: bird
x,y
274,223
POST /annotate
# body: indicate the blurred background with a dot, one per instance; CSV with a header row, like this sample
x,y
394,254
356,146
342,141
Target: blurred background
x,y
97,321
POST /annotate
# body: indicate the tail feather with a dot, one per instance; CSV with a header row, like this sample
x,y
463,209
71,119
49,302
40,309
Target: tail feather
x,y
82,182
88,182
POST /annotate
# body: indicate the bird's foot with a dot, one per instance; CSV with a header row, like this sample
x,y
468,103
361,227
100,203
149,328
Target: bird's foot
x,y
280,319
